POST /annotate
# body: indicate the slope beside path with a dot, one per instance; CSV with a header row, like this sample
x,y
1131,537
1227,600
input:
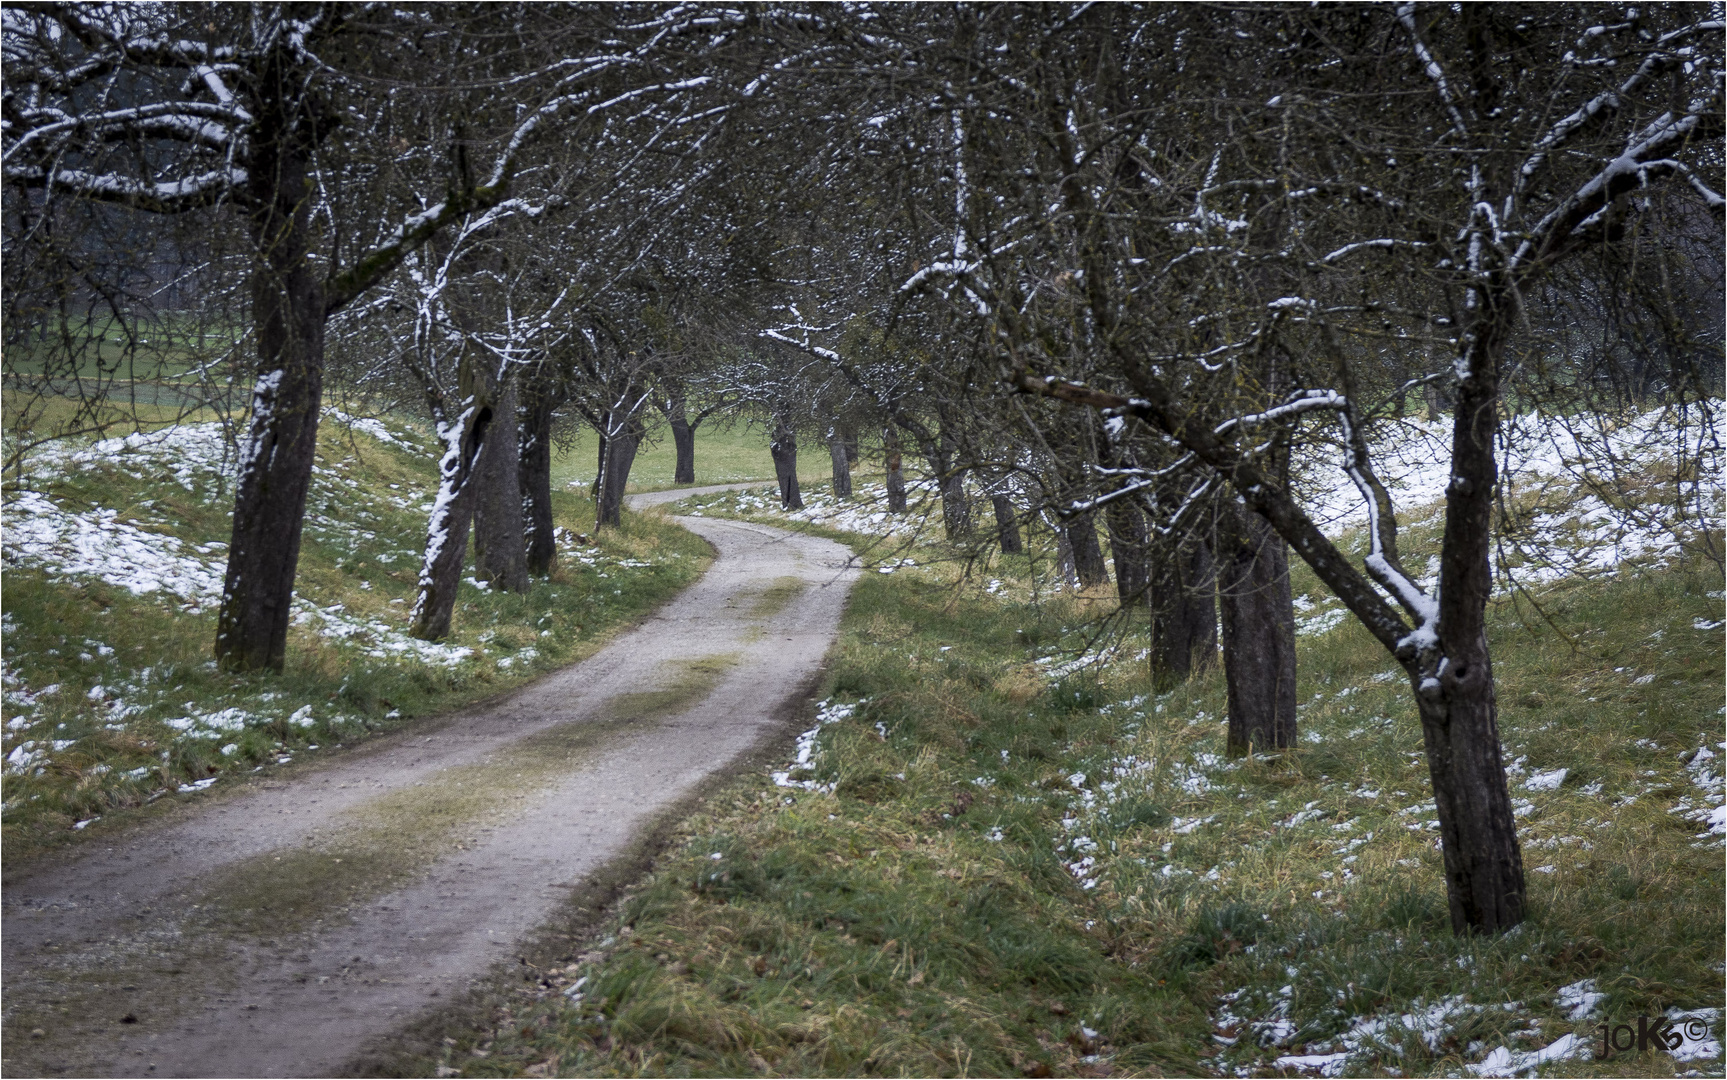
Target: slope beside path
x,y
280,930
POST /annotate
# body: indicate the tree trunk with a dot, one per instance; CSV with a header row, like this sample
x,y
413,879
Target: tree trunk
x,y
895,471
1258,632
536,478
684,442
600,464
955,506
1459,711
1064,559
1088,565
784,449
621,446
1433,397
842,466
447,532
1006,525
500,549
1183,612
281,440
676,409
1128,542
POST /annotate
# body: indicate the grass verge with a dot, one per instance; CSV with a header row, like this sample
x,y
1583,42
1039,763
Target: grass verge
x,y
1009,857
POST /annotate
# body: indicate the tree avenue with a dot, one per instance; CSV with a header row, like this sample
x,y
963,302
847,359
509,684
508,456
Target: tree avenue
x,y
1121,277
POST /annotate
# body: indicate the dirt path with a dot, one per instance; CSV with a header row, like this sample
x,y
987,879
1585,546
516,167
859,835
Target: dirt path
x,y
278,931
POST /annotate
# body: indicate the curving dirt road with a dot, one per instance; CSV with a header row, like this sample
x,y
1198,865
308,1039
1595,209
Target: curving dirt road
x,y
278,931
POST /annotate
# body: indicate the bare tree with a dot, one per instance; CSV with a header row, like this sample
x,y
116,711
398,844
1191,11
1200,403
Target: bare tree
x,y
170,109
1503,197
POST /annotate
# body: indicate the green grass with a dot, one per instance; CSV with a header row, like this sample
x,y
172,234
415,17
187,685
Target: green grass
x,y
727,452
920,914
132,669
163,347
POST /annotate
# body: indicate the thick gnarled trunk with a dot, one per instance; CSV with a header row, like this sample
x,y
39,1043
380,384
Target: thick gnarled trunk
x,y
1087,553
500,550
281,439
1258,632
842,466
447,531
1183,611
684,443
536,479
675,407
784,450
616,460
1459,711
1478,834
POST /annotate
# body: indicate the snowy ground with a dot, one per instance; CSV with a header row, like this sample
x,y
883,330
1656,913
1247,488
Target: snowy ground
x,y
865,513
71,544
1587,494
134,546
1257,1024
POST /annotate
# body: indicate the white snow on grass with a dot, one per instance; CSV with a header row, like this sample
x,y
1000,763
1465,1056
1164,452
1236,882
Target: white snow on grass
x,y
1706,808
1431,1024
94,544
1560,467
1697,1038
828,712
1546,781
1503,1061
373,637
1580,1000
865,513
376,428
70,544
197,455
1556,471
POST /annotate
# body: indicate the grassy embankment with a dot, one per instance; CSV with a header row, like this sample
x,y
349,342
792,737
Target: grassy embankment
x,y
112,700
1000,864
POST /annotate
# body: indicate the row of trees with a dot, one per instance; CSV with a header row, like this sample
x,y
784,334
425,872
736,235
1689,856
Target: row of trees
x,y
1117,267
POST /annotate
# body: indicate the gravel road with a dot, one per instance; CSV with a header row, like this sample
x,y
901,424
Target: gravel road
x,y
279,930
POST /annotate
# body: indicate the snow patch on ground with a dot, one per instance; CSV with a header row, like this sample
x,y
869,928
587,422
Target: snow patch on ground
x,y
70,544
1559,467
1504,1061
375,428
373,637
96,544
1706,807
865,513
808,756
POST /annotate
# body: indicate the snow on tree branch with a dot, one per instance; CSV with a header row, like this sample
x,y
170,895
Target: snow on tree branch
x,y
1644,158
1436,73
168,197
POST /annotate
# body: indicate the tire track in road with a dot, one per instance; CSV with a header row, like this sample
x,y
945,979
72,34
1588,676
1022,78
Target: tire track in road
x,y
238,942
